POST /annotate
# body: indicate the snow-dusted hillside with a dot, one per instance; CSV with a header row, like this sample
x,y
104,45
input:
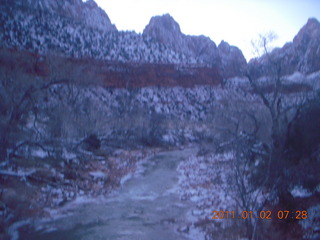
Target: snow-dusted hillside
x,y
172,115
49,33
83,30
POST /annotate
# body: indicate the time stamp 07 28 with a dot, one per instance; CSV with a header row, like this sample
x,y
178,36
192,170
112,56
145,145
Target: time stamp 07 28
x,y
281,214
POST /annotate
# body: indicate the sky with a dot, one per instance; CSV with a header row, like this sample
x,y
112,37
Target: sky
x,y
235,21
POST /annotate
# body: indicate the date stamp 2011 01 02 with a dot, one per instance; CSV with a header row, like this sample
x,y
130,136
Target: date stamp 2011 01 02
x,y
281,214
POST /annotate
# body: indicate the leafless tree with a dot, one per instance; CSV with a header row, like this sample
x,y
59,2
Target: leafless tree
x,y
265,75
21,95
262,44
244,187
256,183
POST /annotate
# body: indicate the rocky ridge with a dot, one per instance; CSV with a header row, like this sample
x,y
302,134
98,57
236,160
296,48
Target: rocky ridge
x,y
88,13
83,30
74,29
52,35
167,31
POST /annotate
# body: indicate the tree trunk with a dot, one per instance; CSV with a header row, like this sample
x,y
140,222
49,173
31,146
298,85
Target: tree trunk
x,y
4,143
3,149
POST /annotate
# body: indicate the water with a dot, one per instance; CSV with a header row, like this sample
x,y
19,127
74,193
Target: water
x,y
147,207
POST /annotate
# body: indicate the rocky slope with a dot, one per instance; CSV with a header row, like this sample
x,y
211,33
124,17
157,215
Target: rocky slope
x,y
87,13
77,29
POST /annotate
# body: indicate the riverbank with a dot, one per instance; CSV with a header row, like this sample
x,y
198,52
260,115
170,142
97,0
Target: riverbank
x,y
146,206
35,192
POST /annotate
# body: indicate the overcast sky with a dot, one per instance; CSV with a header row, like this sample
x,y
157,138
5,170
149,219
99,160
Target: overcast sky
x,y
235,21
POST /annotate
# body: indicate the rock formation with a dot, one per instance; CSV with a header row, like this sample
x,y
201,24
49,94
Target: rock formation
x,y
166,30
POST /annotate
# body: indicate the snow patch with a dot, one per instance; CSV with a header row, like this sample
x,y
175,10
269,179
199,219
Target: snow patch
x,y
299,191
40,153
98,175
13,230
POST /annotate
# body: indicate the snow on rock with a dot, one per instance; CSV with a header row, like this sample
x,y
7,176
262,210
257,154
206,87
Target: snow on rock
x,y
98,175
189,104
68,155
299,191
296,77
168,138
80,34
314,80
39,153
13,230
18,173
88,12
311,225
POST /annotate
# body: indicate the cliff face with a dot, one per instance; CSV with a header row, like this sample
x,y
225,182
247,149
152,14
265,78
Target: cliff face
x,y
307,46
167,31
232,60
107,73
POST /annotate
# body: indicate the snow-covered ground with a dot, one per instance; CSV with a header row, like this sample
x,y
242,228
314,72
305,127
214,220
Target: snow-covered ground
x,y
205,180
311,225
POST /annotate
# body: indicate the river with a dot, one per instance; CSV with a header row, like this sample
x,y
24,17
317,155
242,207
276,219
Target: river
x,y
146,207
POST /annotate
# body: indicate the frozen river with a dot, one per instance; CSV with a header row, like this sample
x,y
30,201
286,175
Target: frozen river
x,y
146,207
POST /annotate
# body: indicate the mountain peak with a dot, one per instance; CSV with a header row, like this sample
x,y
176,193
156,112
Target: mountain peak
x,y
160,26
91,4
310,30
313,22
166,30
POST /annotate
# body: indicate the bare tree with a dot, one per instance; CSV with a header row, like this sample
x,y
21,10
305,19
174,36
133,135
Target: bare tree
x,y
246,189
261,45
266,78
260,168
265,75
18,100
21,95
